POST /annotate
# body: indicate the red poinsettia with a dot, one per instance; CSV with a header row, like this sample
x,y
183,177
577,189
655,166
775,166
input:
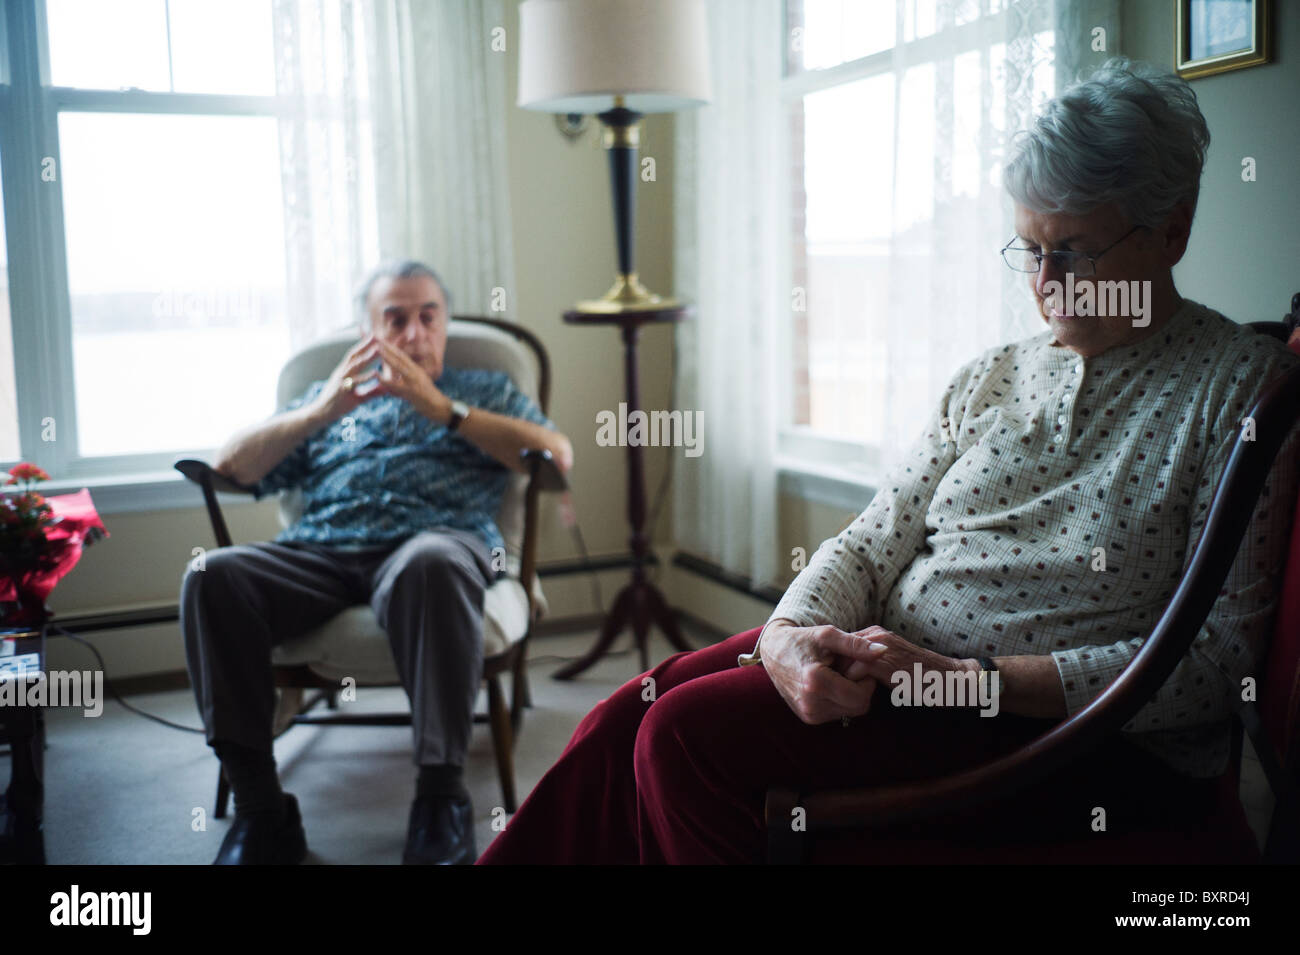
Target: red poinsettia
x,y
27,472
24,518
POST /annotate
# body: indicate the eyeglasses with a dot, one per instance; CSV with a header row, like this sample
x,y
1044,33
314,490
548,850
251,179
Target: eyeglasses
x,y
1080,263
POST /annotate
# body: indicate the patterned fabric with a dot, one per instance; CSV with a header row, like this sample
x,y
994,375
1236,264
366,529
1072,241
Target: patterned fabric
x,y
982,540
385,472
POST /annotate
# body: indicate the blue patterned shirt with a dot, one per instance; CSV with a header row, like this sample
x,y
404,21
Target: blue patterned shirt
x,y
384,472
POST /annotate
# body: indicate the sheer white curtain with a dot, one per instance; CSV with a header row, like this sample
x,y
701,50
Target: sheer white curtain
x,y
728,259
921,132
392,144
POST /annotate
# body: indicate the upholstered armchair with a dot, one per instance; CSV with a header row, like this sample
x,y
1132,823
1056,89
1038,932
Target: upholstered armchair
x,y
352,645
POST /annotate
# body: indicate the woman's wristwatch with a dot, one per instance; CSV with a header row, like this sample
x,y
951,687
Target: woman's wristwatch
x,y
989,672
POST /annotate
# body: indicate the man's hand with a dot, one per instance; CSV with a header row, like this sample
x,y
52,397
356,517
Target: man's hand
x,y
403,377
334,400
804,665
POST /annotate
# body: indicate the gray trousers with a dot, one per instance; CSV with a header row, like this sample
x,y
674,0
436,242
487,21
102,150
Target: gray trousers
x,y
426,592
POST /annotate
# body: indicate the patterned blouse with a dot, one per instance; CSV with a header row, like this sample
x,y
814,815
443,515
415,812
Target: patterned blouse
x,y
385,472
983,540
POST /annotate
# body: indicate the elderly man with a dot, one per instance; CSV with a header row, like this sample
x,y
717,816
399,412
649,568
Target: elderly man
x,y
1038,527
399,501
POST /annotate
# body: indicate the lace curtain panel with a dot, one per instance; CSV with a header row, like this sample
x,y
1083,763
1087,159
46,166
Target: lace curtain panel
x,y
839,230
392,144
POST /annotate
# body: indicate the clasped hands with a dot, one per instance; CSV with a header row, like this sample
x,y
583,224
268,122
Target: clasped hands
x,y
399,375
824,673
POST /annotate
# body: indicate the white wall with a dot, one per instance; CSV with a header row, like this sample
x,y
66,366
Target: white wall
x,y
1242,259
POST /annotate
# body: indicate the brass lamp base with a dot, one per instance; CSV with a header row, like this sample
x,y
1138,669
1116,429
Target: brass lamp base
x,y
626,295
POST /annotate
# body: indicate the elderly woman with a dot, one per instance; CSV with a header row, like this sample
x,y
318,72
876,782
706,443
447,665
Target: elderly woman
x,y
1038,527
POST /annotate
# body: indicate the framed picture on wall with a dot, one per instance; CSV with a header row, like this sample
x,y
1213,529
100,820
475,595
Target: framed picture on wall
x,y
1214,36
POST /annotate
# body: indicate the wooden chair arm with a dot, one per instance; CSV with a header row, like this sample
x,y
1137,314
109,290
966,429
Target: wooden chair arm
x,y
197,470
1230,514
210,480
543,471
544,475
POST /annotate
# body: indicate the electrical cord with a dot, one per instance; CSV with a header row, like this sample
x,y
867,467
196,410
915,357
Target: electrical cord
x,y
571,518
109,683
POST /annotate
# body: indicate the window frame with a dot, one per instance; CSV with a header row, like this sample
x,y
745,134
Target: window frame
x,y
816,465
38,273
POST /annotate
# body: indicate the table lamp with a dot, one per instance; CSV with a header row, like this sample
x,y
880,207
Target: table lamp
x,y
619,59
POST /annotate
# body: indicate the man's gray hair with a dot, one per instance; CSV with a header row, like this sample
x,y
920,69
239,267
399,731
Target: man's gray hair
x,y
1130,134
396,269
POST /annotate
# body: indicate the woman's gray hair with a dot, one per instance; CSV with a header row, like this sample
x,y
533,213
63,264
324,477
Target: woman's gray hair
x,y
1130,134
396,269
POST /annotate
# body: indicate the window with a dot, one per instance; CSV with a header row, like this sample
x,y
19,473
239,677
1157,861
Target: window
x,y
175,259
9,449
151,226
894,108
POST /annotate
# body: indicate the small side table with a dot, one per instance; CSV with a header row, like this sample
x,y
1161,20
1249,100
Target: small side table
x,y
23,838
639,603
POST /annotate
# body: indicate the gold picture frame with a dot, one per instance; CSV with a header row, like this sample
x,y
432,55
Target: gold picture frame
x,y
1242,40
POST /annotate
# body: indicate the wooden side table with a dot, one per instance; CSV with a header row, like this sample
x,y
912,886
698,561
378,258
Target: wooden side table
x,y
23,838
639,603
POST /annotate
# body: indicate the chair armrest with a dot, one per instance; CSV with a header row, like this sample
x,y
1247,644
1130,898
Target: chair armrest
x,y
1230,514
210,480
197,471
546,475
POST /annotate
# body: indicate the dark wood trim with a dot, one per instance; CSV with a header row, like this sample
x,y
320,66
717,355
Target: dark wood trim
x,y
82,623
720,575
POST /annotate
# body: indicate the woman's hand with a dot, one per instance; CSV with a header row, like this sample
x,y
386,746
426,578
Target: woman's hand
x,y
884,653
804,665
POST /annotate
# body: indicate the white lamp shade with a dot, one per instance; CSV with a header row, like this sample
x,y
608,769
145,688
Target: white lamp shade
x,y
575,56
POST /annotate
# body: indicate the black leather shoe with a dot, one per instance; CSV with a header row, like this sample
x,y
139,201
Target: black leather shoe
x,y
441,832
261,839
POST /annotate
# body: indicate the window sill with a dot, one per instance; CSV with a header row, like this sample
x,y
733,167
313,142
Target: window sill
x,y
145,491
845,488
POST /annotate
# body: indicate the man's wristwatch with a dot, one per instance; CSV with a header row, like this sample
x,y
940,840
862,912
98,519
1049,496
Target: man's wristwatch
x,y
459,412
